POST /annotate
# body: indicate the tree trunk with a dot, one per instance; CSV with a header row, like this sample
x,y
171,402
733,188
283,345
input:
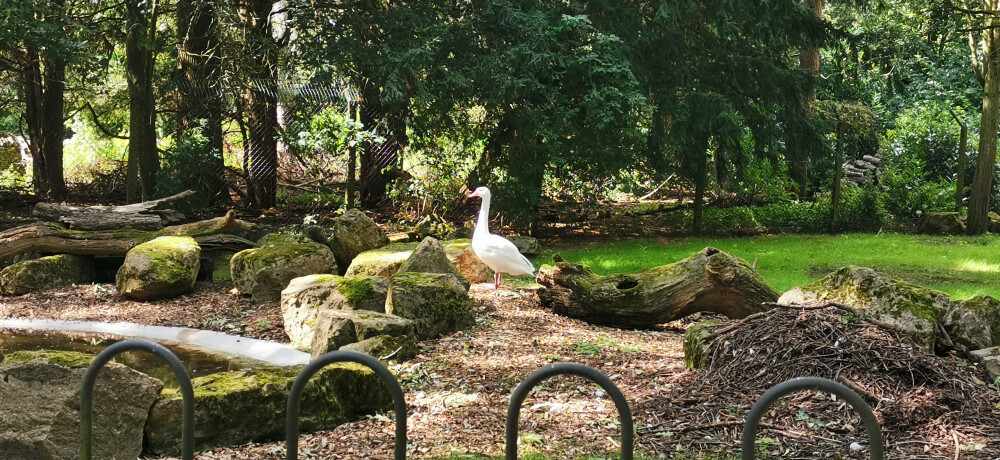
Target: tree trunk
x,y
709,281
49,237
199,99
700,182
262,120
379,160
809,61
350,198
982,182
838,177
148,215
140,22
44,86
963,140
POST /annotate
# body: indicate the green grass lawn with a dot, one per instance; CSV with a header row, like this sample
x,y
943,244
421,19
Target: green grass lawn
x,y
959,266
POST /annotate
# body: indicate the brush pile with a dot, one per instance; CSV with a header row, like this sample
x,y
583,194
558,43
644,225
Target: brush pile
x,y
928,406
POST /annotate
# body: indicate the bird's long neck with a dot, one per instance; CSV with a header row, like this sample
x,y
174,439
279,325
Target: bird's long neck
x,y
482,224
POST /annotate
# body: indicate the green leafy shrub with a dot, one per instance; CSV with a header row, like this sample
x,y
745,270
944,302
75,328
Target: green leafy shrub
x,y
187,166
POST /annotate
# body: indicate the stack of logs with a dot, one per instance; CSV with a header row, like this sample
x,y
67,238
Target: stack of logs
x,y
114,230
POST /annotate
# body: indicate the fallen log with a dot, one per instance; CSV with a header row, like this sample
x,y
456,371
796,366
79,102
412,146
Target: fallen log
x,y
50,237
148,215
709,281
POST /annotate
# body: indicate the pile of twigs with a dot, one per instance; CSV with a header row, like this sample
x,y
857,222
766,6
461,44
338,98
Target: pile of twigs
x,y
929,406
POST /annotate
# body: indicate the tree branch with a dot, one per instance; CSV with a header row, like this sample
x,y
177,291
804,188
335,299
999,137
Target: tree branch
x,y
97,122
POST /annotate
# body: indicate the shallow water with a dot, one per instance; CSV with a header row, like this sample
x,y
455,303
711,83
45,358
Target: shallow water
x,y
198,362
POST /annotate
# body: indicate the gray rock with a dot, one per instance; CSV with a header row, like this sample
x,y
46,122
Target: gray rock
x,y
160,269
245,406
306,296
432,226
437,303
943,223
354,233
430,257
913,308
40,400
265,271
315,233
387,347
336,328
975,322
527,245
385,261
46,273
989,358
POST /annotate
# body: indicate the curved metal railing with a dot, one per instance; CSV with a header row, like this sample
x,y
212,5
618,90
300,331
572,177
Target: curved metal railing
x,y
295,396
589,373
811,383
90,378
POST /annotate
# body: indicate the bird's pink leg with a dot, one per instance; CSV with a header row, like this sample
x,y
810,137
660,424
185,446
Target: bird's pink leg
x,y
497,280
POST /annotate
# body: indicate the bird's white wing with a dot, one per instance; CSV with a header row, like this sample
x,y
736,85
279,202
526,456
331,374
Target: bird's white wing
x,y
501,255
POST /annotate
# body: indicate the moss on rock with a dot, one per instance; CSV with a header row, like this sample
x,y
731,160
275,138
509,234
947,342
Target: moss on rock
x,y
438,303
695,344
245,406
46,273
70,359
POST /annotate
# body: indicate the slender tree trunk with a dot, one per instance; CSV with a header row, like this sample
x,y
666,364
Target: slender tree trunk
x,y
350,200
809,60
982,182
262,116
963,140
140,22
44,86
700,182
32,82
379,160
199,103
838,177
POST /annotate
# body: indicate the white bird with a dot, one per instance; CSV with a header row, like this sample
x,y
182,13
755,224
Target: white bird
x,y
495,251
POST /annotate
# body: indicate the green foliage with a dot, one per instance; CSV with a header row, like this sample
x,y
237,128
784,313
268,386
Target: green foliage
x,y
186,166
908,194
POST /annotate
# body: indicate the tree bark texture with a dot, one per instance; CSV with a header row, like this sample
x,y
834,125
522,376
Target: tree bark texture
x,y
50,237
44,83
148,215
199,97
379,160
262,119
140,22
982,182
709,281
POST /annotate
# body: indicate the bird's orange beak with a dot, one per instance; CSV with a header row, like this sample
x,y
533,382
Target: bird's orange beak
x,y
473,195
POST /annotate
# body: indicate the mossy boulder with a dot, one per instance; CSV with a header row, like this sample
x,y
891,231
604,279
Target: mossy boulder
x,y
354,233
160,269
915,309
40,403
46,273
438,303
336,328
975,322
434,226
263,272
695,343
430,257
994,222
387,347
245,406
385,261
943,223
306,296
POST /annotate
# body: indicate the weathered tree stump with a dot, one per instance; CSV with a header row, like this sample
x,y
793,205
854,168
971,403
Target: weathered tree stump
x,y
709,281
